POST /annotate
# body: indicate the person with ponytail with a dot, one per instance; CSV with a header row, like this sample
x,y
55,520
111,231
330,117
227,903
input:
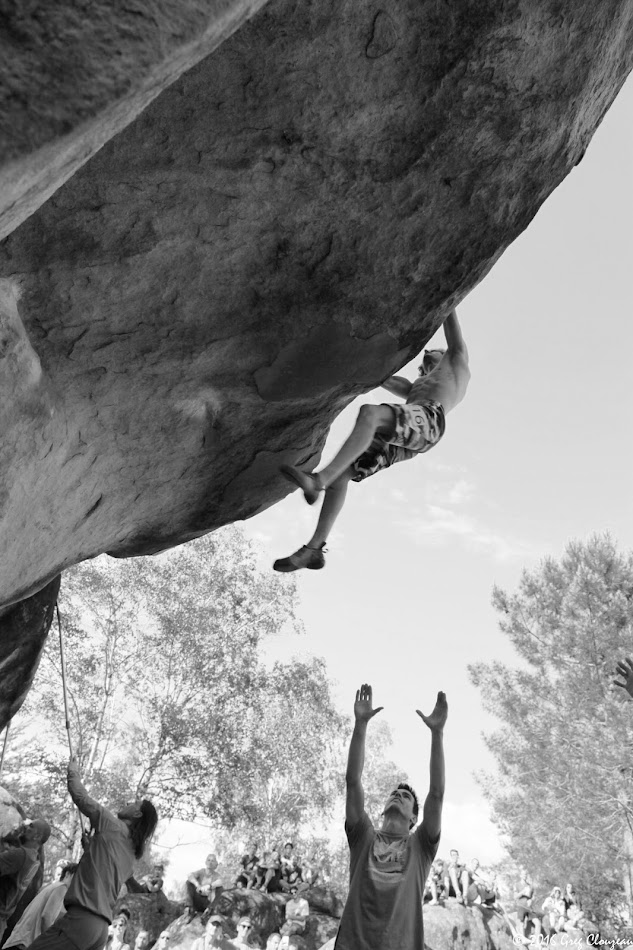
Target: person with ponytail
x,y
117,841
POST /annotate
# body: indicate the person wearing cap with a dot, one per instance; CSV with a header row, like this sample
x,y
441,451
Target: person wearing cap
x,y
19,863
44,909
213,936
244,928
117,842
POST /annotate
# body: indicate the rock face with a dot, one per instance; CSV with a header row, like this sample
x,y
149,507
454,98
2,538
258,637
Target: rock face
x,y
281,229
72,75
23,629
451,926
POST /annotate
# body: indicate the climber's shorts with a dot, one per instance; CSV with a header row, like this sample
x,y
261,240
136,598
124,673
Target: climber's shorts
x,y
417,429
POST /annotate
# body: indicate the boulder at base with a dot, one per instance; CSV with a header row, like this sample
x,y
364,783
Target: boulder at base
x,y
451,926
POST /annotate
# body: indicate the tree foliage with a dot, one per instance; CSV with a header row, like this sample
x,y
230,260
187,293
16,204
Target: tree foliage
x,y
562,793
171,696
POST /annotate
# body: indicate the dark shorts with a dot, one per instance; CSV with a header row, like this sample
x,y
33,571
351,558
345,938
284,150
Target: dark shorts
x,y
417,429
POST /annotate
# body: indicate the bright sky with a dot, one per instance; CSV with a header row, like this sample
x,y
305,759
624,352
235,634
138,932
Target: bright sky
x,y
538,453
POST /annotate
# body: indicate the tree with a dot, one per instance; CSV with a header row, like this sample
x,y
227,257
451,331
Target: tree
x,y
563,790
170,696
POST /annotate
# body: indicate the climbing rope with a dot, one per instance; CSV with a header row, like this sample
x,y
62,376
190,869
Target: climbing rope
x,y
65,692
4,747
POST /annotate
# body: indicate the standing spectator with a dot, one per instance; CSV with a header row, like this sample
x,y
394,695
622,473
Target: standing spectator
x,y
164,939
142,940
273,942
116,843
203,887
389,866
43,910
19,863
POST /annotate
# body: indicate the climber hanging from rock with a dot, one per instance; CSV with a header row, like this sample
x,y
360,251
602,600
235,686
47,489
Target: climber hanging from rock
x,y
383,435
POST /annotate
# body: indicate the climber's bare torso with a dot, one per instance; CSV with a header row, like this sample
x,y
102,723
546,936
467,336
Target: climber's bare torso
x,y
446,384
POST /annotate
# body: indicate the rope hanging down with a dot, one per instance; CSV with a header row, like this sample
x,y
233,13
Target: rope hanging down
x,y
65,691
4,747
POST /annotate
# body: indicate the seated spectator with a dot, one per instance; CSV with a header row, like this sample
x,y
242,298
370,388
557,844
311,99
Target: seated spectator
x,y
273,942
468,882
244,929
290,872
248,875
452,876
486,887
554,911
142,940
153,881
269,871
117,931
573,911
434,888
164,940
43,910
297,913
311,872
213,936
529,921
202,887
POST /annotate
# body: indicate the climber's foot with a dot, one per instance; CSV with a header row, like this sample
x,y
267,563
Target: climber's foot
x,y
312,558
309,484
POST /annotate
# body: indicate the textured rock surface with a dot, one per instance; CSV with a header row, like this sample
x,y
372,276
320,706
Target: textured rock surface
x,y
280,230
23,630
451,926
73,74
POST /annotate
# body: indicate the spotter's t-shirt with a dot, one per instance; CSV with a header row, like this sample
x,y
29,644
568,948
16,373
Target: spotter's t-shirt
x,y
387,877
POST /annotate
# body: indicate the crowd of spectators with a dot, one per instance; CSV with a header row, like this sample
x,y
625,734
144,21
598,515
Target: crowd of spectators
x,y
278,869
467,883
559,912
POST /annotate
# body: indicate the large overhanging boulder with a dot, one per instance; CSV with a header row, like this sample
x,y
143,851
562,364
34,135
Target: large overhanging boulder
x,y
277,232
73,75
